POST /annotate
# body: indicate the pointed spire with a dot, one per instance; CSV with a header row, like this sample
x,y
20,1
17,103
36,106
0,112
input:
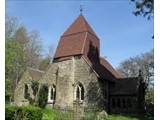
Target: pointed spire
x,y
79,25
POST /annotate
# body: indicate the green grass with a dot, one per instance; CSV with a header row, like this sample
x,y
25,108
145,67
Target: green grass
x,y
52,114
129,117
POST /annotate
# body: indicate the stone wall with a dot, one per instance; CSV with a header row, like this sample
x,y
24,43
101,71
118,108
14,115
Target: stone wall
x,y
66,75
64,84
19,91
88,78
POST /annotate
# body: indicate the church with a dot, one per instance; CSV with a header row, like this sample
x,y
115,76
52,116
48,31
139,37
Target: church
x,y
78,75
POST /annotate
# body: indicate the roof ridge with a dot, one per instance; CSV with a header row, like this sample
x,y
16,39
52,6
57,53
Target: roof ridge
x,y
36,69
79,25
115,72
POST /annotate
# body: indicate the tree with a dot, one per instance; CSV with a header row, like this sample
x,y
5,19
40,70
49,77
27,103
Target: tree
x,y
144,62
34,49
23,49
42,96
11,25
15,64
35,87
44,64
144,8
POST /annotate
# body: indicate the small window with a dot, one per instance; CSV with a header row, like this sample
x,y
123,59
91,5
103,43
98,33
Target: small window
x,y
51,93
26,94
79,92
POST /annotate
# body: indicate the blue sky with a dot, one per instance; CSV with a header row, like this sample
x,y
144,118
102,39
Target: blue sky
x,y
122,35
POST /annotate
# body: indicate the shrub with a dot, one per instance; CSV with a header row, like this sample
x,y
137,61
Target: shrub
x,y
10,112
23,113
42,96
34,86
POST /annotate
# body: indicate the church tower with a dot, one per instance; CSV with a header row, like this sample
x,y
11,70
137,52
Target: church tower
x,y
76,56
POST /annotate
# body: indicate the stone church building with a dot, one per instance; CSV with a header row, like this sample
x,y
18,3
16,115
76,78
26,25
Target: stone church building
x,y
78,74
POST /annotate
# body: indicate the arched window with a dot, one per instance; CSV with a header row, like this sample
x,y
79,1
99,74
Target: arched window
x,y
79,92
52,94
26,94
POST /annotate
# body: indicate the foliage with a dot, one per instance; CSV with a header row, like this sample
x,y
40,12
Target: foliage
x,y
149,96
128,117
144,62
44,64
34,86
149,102
15,64
22,49
23,113
11,25
8,91
144,8
42,96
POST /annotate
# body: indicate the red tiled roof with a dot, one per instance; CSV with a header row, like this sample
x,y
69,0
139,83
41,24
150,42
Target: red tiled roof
x,y
79,25
70,45
80,39
72,42
109,67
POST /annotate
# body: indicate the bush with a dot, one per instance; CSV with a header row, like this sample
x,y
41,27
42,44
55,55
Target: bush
x,y
23,113
34,86
42,96
10,112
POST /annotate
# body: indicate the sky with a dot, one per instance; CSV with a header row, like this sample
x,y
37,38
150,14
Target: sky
x,y
122,35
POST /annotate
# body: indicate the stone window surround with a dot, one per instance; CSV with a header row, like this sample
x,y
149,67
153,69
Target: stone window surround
x,y
52,87
80,87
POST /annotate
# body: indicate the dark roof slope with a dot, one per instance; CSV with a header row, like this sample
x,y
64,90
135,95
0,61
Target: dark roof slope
x,y
109,67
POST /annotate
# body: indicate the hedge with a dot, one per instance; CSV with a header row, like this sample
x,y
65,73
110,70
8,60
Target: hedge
x,y
23,113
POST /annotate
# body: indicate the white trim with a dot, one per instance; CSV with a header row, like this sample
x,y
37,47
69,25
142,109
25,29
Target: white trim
x,y
49,94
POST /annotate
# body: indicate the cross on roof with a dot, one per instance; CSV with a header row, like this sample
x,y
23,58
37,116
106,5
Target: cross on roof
x,y
81,9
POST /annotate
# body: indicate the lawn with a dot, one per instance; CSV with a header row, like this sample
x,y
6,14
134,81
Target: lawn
x,y
52,114
128,117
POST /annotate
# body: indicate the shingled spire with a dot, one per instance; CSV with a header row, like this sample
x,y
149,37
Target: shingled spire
x,y
80,40
74,39
79,25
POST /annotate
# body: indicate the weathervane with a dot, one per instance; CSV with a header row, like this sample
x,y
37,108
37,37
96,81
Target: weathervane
x,y
81,9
